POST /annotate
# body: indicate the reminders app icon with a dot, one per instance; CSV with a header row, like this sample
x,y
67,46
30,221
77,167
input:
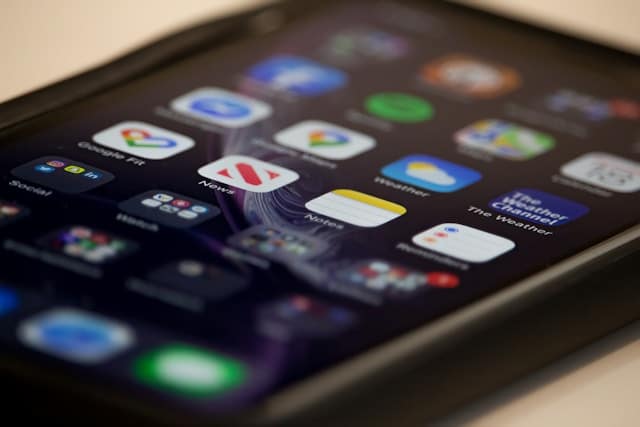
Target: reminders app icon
x,y
221,107
431,173
463,242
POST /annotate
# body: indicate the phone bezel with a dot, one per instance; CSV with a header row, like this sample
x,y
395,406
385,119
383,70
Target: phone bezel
x,y
376,363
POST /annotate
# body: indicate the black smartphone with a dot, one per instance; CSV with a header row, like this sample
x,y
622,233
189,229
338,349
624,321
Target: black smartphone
x,y
257,217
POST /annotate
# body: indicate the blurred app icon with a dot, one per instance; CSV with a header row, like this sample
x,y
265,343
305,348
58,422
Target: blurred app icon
x,y
170,209
248,173
362,44
504,139
277,244
470,76
61,174
463,242
589,107
189,371
399,107
11,212
221,107
198,278
538,207
88,244
356,208
8,300
297,75
302,316
76,335
431,173
325,140
606,171
393,280
144,140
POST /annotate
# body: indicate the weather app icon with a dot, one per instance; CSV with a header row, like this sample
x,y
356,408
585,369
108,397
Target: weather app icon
x,y
431,173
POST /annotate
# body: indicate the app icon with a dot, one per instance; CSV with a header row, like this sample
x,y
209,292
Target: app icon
x,y
74,169
470,76
198,278
504,139
571,102
8,300
297,75
221,107
355,208
463,242
359,44
11,211
248,173
276,244
606,171
431,173
538,207
399,107
325,140
76,335
45,168
303,316
170,209
50,172
143,140
392,280
88,244
189,371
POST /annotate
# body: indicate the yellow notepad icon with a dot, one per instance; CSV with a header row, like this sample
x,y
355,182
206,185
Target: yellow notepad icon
x,y
356,208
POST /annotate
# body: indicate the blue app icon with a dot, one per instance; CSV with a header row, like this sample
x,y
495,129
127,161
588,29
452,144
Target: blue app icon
x,y
297,75
8,300
44,168
221,107
431,173
538,207
76,335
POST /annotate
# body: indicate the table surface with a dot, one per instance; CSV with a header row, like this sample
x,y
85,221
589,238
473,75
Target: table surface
x,y
44,41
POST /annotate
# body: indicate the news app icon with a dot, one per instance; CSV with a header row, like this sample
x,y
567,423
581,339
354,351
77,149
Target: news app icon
x,y
248,173
221,107
463,242
144,140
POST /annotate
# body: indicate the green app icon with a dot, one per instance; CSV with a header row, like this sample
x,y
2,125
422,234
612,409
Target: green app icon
x,y
189,371
399,107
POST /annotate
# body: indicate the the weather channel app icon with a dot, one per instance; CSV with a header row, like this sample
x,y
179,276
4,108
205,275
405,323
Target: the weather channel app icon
x,y
431,173
538,207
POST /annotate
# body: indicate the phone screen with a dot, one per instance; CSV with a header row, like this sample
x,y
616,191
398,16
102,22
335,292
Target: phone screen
x,y
238,221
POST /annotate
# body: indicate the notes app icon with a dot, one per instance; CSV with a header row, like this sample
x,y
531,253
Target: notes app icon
x,y
356,208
